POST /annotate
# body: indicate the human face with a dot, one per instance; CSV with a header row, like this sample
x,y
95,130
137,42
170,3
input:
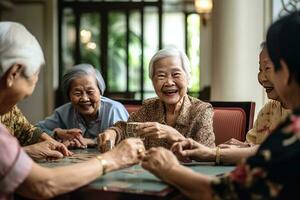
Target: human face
x,y
19,89
286,86
169,80
264,75
85,96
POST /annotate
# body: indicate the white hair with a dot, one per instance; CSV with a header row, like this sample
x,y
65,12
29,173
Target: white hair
x,y
19,46
78,70
171,52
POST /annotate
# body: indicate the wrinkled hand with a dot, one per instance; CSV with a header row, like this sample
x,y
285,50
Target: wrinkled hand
x,y
75,143
159,161
156,130
191,149
103,138
125,154
72,138
47,150
63,148
234,143
67,134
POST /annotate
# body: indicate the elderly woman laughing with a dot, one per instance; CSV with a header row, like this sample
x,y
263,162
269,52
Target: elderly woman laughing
x,y
171,116
88,113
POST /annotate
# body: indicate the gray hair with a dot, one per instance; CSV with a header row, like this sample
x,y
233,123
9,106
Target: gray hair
x,y
19,46
79,70
263,45
171,52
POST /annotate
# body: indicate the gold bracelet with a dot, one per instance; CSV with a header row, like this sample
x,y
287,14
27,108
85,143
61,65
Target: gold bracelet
x,y
103,163
218,156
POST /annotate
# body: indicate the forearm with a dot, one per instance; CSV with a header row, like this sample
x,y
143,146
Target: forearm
x,y
190,183
235,155
119,131
30,151
47,183
45,136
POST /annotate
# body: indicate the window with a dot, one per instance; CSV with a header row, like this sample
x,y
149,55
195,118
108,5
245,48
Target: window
x,y
120,37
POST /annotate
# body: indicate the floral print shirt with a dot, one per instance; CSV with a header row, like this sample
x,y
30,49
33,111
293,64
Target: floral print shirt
x,y
273,173
194,121
267,120
19,126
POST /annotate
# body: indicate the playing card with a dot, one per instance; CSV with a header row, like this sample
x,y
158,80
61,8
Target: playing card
x,y
131,128
108,145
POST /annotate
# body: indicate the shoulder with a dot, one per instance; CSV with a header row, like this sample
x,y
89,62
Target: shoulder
x,y
149,107
151,102
64,108
198,105
16,111
109,103
271,105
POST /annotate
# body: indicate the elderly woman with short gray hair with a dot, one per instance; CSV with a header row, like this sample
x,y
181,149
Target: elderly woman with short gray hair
x,y
88,113
173,115
21,59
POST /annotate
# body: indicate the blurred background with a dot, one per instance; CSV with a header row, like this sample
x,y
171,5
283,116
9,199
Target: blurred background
x,y
221,38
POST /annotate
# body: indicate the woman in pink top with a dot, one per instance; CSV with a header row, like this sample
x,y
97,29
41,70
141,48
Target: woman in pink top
x,y
21,58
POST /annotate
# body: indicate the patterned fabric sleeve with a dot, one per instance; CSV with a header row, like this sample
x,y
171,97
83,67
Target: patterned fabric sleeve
x,y
25,132
252,133
273,173
205,135
263,119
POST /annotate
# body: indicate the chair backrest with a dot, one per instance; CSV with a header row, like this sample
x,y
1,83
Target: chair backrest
x,y
232,120
131,106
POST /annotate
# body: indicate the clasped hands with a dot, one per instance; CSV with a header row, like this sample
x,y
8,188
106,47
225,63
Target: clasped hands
x,y
151,130
72,138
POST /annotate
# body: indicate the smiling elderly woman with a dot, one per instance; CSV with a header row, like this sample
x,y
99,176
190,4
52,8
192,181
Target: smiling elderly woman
x,y
273,172
88,113
173,115
21,58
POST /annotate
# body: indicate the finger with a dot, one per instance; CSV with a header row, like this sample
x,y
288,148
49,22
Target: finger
x,y
78,130
146,157
63,149
70,134
81,140
152,150
176,147
78,144
185,144
144,125
66,143
145,164
54,154
102,139
148,129
189,153
149,135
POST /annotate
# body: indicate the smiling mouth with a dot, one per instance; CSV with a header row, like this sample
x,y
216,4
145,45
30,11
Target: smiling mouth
x,y
170,92
86,105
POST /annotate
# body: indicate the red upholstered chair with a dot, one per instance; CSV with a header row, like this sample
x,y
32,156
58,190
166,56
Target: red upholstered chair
x,y
232,120
131,106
